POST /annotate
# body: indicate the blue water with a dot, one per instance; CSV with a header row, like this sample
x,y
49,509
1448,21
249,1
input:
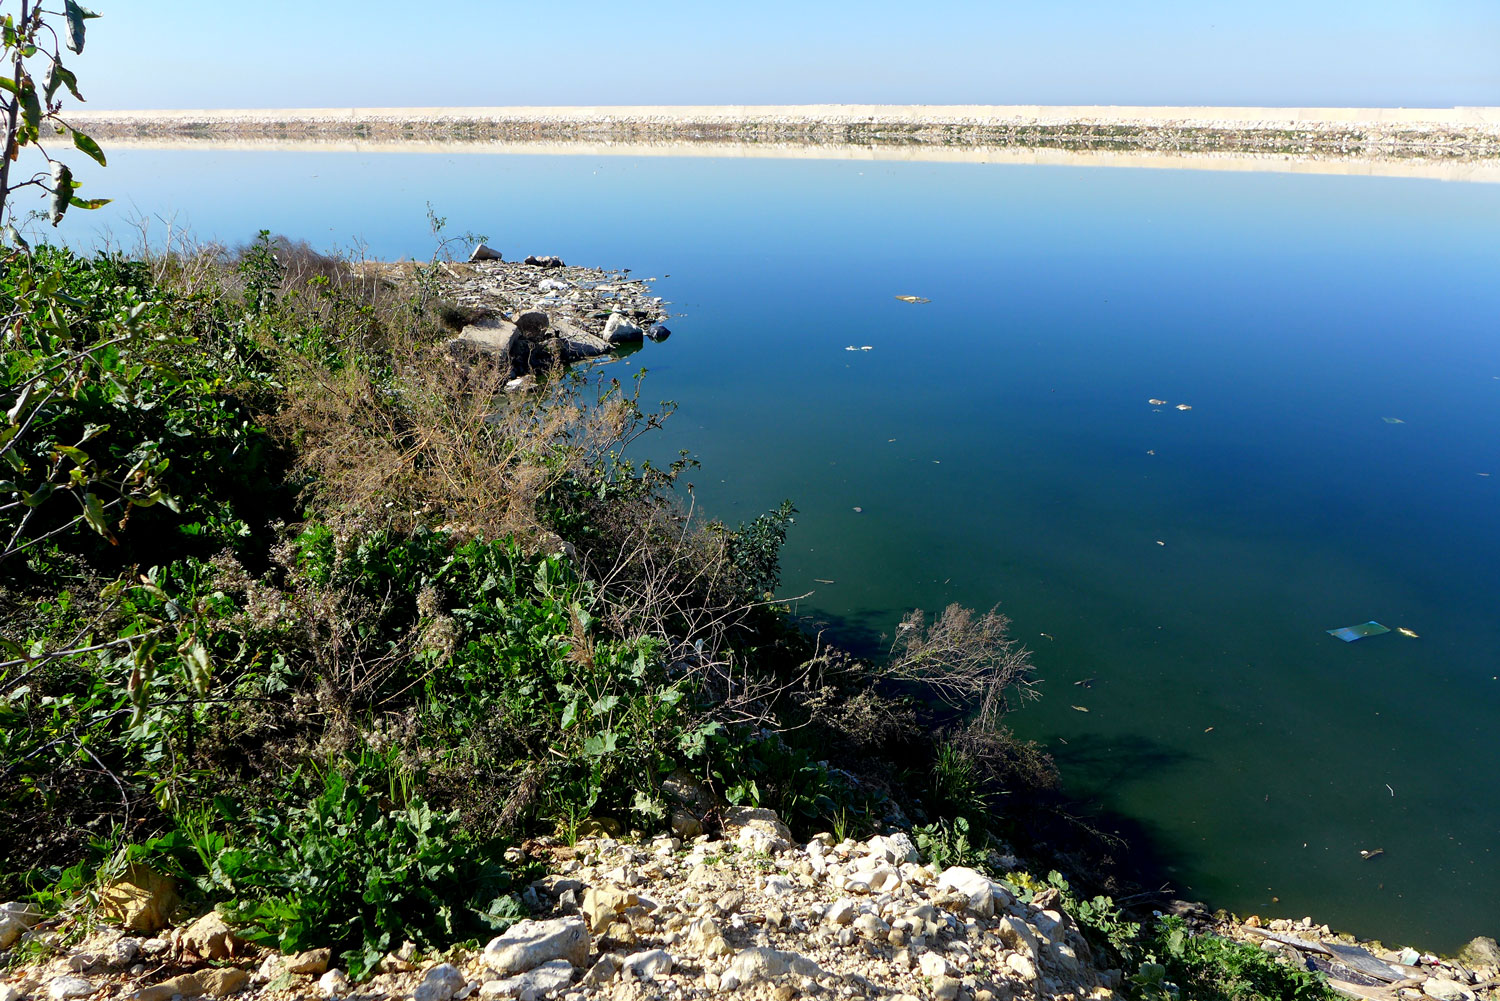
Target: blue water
x,y
1001,448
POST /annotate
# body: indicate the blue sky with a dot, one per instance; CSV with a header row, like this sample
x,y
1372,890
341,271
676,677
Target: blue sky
x,y
338,53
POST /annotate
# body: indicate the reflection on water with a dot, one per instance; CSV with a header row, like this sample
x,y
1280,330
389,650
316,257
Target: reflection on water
x,y
997,445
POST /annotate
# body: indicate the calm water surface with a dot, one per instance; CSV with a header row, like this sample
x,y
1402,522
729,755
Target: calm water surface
x,y
999,446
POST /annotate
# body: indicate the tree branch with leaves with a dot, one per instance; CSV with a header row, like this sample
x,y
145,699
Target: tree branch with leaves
x,y
31,109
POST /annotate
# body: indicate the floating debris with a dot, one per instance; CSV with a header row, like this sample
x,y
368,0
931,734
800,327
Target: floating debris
x,y
1369,853
1160,543
1150,451
1085,682
1157,403
1081,709
820,580
851,348
1048,636
1351,633
1183,406
859,510
912,298
1393,420
1408,633
866,347
1208,729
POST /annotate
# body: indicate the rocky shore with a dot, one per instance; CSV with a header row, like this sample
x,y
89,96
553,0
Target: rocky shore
x,y
742,912
534,316
1463,133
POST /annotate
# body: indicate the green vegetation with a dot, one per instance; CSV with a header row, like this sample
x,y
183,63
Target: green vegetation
x,y
303,613
1210,968
30,108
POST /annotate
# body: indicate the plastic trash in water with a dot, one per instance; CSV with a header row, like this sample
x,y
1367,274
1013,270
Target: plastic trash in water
x,y
914,299
1393,420
1351,633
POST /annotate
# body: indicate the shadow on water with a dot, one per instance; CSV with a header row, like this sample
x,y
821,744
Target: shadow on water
x,y
865,634
1101,762
1063,826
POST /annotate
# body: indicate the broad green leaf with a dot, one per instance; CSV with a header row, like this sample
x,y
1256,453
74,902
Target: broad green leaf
x,y
78,455
93,513
31,106
62,190
76,14
59,76
90,147
39,496
6,83
89,203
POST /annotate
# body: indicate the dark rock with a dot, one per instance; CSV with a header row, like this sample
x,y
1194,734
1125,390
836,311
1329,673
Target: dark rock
x,y
580,344
547,261
484,253
658,332
532,322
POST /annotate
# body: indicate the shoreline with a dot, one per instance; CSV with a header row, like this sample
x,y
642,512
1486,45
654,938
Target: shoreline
x,y
1451,169
1452,134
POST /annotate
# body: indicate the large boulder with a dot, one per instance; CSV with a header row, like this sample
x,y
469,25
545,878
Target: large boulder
x,y
492,337
602,903
550,977
545,261
619,330
647,965
1443,989
142,900
528,944
739,819
484,252
1482,951
440,984
580,344
533,323
764,963
978,888
210,938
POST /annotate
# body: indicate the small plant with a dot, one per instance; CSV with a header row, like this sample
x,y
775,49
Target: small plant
x,y
946,844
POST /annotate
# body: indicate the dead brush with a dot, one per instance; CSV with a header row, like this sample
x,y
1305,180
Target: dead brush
x,y
967,660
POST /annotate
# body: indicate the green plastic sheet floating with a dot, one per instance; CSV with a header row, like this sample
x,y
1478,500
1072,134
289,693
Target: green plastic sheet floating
x,y
1351,633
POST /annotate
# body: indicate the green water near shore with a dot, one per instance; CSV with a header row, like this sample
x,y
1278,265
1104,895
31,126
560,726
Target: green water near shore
x,y
999,447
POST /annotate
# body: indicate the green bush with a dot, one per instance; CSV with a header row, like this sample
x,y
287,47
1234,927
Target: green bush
x,y
354,869
1210,968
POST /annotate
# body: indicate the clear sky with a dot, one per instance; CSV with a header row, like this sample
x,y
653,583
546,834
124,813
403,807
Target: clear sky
x,y
341,53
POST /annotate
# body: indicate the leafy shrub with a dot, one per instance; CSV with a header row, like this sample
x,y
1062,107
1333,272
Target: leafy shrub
x,y
1210,968
352,869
